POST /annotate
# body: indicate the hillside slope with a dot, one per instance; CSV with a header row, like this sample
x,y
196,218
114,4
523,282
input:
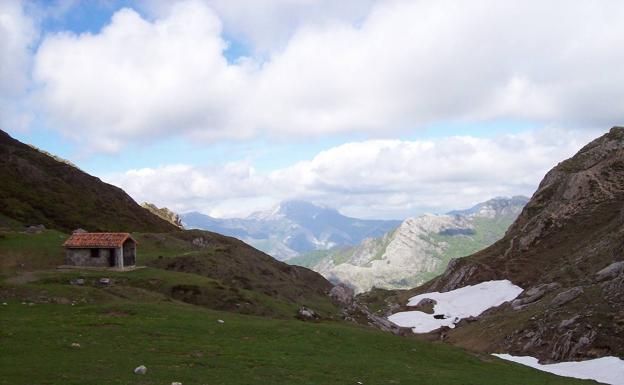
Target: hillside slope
x,y
39,189
566,250
293,228
419,249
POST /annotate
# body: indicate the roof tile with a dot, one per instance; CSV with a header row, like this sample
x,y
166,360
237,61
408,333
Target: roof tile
x,y
87,240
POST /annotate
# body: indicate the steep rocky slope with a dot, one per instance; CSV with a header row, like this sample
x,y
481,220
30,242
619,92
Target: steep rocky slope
x,y
293,228
566,250
39,189
419,249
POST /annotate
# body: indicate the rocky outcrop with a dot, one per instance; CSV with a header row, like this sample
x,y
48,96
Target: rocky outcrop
x,y
164,213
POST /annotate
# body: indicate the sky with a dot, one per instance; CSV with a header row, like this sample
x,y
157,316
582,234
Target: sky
x,y
378,108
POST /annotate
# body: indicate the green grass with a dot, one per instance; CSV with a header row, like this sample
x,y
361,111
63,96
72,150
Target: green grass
x,y
185,343
30,251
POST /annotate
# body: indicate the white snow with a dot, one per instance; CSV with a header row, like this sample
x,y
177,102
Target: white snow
x,y
609,370
468,301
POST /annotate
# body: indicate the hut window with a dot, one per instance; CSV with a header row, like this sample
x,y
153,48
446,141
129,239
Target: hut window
x,y
94,253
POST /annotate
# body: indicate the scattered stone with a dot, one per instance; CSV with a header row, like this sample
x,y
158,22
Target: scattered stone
x,y
79,231
140,370
568,322
176,383
38,229
75,345
307,314
566,296
611,271
342,294
200,242
77,281
220,321
4,304
105,281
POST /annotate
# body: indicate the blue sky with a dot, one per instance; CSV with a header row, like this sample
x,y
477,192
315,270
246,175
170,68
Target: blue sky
x,y
230,107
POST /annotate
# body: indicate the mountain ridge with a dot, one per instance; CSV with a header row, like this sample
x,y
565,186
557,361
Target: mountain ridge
x,y
292,228
418,249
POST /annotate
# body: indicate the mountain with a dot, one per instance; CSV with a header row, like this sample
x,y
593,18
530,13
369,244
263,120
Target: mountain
x,y
293,228
38,189
566,250
163,213
419,249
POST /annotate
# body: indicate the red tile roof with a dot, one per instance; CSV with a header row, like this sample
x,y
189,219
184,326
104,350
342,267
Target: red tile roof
x,y
87,240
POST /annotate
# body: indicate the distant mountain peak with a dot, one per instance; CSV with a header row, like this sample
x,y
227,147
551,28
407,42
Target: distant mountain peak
x,y
494,207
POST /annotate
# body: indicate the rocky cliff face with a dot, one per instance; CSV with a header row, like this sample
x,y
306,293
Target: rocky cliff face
x,y
566,249
164,213
419,248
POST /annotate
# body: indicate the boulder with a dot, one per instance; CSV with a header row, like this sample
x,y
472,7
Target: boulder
x,y
532,295
77,281
307,314
79,231
105,281
342,294
569,322
140,369
611,271
566,296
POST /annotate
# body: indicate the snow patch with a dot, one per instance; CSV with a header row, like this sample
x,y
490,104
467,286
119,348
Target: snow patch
x,y
468,301
609,370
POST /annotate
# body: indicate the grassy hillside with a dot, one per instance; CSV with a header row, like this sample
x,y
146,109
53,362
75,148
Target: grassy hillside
x,y
196,267
37,189
120,327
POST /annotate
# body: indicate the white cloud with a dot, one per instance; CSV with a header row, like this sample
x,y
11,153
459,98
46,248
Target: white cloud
x,y
375,178
17,33
403,65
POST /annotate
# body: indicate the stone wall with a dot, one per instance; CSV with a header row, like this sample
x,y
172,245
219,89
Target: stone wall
x,y
83,257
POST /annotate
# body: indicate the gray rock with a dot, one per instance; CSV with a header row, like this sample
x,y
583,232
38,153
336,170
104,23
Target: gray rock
x,y
105,281
77,281
566,296
342,294
532,295
140,369
307,314
426,302
200,242
568,322
79,231
611,271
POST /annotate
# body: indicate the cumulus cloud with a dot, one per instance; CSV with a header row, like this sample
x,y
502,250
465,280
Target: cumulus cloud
x,y
373,178
17,33
400,66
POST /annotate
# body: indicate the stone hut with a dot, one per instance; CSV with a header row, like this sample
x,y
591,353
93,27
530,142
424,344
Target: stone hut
x,y
116,250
